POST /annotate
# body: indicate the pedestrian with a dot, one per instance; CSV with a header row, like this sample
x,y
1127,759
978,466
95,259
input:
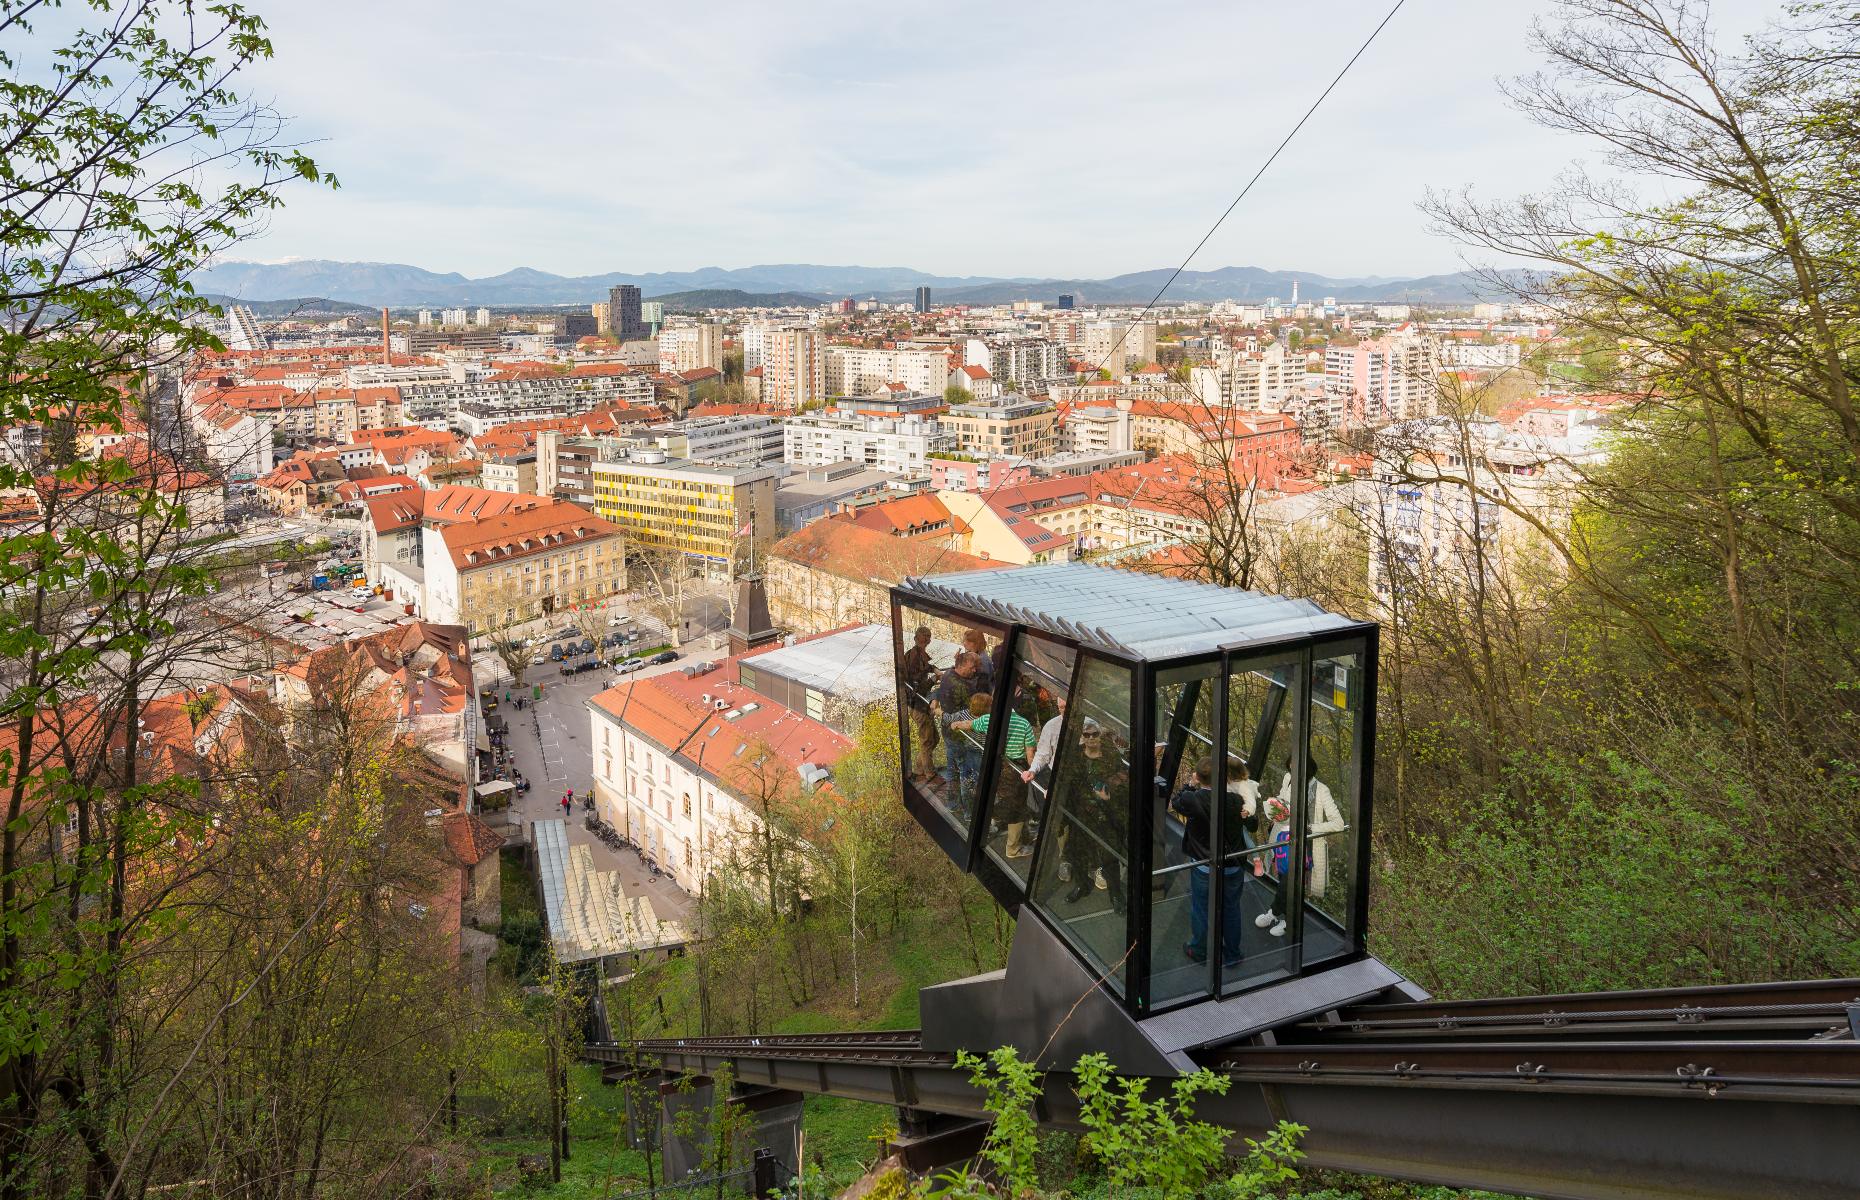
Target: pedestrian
x,y
565,806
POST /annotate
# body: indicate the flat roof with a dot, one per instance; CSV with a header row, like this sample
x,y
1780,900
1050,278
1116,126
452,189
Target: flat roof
x,y
854,663
1138,615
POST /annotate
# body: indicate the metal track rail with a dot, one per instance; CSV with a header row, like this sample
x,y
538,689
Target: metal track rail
x,y
1613,1096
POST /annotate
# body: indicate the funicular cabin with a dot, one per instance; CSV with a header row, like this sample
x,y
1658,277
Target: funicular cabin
x,y
1065,733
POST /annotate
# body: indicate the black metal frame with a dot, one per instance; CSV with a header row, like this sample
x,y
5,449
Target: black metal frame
x,y
969,852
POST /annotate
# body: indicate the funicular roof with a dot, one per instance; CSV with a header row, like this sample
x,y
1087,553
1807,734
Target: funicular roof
x,y
1137,615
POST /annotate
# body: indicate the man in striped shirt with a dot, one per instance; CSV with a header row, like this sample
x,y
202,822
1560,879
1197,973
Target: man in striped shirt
x,y
1016,751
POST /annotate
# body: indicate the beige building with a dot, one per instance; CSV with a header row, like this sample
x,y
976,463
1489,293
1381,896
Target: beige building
x,y
704,512
834,573
511,473
1010,425
526,563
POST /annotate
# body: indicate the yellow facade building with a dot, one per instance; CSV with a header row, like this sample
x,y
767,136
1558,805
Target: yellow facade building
x,y
700,511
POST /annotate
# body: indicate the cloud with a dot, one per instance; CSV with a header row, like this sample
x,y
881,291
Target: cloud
x,y
1038,139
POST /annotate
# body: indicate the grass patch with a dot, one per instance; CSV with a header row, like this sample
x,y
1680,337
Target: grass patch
x,y
599,1164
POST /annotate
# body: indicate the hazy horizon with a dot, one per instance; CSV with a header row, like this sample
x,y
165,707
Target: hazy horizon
x,y
1083,141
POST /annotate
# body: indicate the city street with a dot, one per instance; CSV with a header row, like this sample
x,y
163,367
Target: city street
x,y
550,742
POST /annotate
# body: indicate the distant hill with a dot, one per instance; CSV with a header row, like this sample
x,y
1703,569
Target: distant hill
x,y
397,284
400,285
304,305
703,298
1243,284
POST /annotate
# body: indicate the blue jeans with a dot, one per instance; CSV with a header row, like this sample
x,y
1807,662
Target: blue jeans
x,y
1233,880
965,764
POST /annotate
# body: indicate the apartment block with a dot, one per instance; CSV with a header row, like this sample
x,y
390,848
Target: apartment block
x,y
900,445
861,370
691,347
998,428
694,509
793,368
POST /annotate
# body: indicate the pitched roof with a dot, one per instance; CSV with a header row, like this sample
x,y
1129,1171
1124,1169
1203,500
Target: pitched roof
x,y
470,840
840,546
522,532
669,711
905,515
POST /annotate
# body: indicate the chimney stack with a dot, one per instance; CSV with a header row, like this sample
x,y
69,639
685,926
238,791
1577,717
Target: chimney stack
x,y
386,360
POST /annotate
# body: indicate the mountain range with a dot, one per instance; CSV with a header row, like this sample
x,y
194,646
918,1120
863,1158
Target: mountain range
x,y
400,285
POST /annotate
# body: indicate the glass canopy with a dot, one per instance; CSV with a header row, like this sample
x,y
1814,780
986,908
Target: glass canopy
x,y
1169,774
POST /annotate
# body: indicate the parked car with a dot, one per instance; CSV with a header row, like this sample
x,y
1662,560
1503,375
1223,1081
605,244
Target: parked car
x,y
584,646
663,656
628,667
556,653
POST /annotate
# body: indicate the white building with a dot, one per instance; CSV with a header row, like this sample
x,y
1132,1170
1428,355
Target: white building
x,y
1017,362
862,370
683,766
900,445
1433,516
1095,430
1256,381
751,440
482,317
1458,354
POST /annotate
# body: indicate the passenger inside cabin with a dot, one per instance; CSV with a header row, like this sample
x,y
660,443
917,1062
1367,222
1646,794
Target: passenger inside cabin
x,y
1011,800
961,682
920,683
1094,848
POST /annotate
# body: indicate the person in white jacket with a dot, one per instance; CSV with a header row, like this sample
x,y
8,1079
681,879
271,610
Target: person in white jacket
x,y
1322,816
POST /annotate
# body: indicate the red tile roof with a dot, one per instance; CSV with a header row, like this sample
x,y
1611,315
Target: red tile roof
x,y
522,532
840,546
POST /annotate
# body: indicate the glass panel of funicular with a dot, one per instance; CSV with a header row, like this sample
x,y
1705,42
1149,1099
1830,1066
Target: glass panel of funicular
x,y
948,670
1257,915
1333,799
1041,678
1187,701
1080,863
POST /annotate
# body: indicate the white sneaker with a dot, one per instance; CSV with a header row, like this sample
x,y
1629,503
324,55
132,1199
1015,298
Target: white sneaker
x,y
1097,879
1266,918
1278,929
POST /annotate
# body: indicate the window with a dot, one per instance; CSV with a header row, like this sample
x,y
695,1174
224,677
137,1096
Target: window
x,y
947,672
1085,834
1332,801
687,806
1041,677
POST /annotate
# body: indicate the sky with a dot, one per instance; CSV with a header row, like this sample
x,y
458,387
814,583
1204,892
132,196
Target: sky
x,y
1025,138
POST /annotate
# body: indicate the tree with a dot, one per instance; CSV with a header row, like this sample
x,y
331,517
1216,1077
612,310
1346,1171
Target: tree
x,y
1654,690
956,394
664,584
514,652
591,620
106,212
